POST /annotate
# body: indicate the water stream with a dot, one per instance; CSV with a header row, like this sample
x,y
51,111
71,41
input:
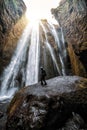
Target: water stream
x,y
8,85
33,57
23,69
50,49
61,45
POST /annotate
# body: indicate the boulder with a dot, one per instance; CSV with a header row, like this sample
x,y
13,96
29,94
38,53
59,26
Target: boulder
x,y
1,114
48,107
3,110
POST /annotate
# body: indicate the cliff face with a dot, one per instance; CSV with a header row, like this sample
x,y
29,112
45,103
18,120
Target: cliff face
x,y
72,16
10,27
10,12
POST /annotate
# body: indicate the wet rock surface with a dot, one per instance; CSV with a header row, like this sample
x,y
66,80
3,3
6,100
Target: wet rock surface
x,y
10,43
72,16
3,113
10,13
50,107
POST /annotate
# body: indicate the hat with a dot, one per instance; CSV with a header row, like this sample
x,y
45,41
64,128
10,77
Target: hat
x,y
41,67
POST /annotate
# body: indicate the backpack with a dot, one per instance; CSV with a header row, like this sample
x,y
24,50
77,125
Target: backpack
x,y
44,73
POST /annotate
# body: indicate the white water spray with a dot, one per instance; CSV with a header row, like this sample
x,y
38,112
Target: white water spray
x,y
50,49
8,86
61,46
26,59
33,57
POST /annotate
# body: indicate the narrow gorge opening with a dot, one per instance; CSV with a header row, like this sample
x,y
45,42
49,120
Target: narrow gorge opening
x,y
41,44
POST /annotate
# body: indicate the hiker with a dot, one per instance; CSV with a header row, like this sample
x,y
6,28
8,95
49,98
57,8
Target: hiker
x,y
42,76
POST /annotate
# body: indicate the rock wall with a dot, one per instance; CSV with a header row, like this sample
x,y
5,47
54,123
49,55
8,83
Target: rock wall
x,y
10,28
10,12
72,16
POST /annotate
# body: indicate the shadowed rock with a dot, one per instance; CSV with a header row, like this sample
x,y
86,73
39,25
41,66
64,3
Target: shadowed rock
x,y
48,107
1,114
72,16
11,26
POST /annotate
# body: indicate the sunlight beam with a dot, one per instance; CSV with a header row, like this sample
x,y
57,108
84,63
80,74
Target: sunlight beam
x,y
40,9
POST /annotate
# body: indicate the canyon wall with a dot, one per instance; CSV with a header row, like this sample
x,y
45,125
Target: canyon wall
x,y
12,22
72,16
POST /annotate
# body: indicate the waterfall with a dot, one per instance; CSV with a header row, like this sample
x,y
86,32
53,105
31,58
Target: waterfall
x,y
61,45
50,49
33,57
23,69
9,84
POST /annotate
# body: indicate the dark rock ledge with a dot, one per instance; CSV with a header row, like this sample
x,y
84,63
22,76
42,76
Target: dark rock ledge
x,y
49,107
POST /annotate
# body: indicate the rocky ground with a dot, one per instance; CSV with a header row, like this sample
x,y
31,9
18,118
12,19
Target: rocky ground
x,y
60,105
3,113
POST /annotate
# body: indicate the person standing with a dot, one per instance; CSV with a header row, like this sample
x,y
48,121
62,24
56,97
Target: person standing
x,y
42,76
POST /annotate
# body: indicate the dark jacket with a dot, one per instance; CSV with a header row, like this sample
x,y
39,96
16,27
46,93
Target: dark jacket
x,y
43,73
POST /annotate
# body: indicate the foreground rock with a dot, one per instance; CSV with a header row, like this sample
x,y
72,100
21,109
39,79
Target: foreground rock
x,y
3,113
49,107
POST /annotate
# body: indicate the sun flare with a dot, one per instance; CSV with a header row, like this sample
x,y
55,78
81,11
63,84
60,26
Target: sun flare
x,y
40,9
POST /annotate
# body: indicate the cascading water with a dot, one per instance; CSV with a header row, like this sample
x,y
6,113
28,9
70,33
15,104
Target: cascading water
x,y
33,57
61,46
24,66
8,85
50,49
